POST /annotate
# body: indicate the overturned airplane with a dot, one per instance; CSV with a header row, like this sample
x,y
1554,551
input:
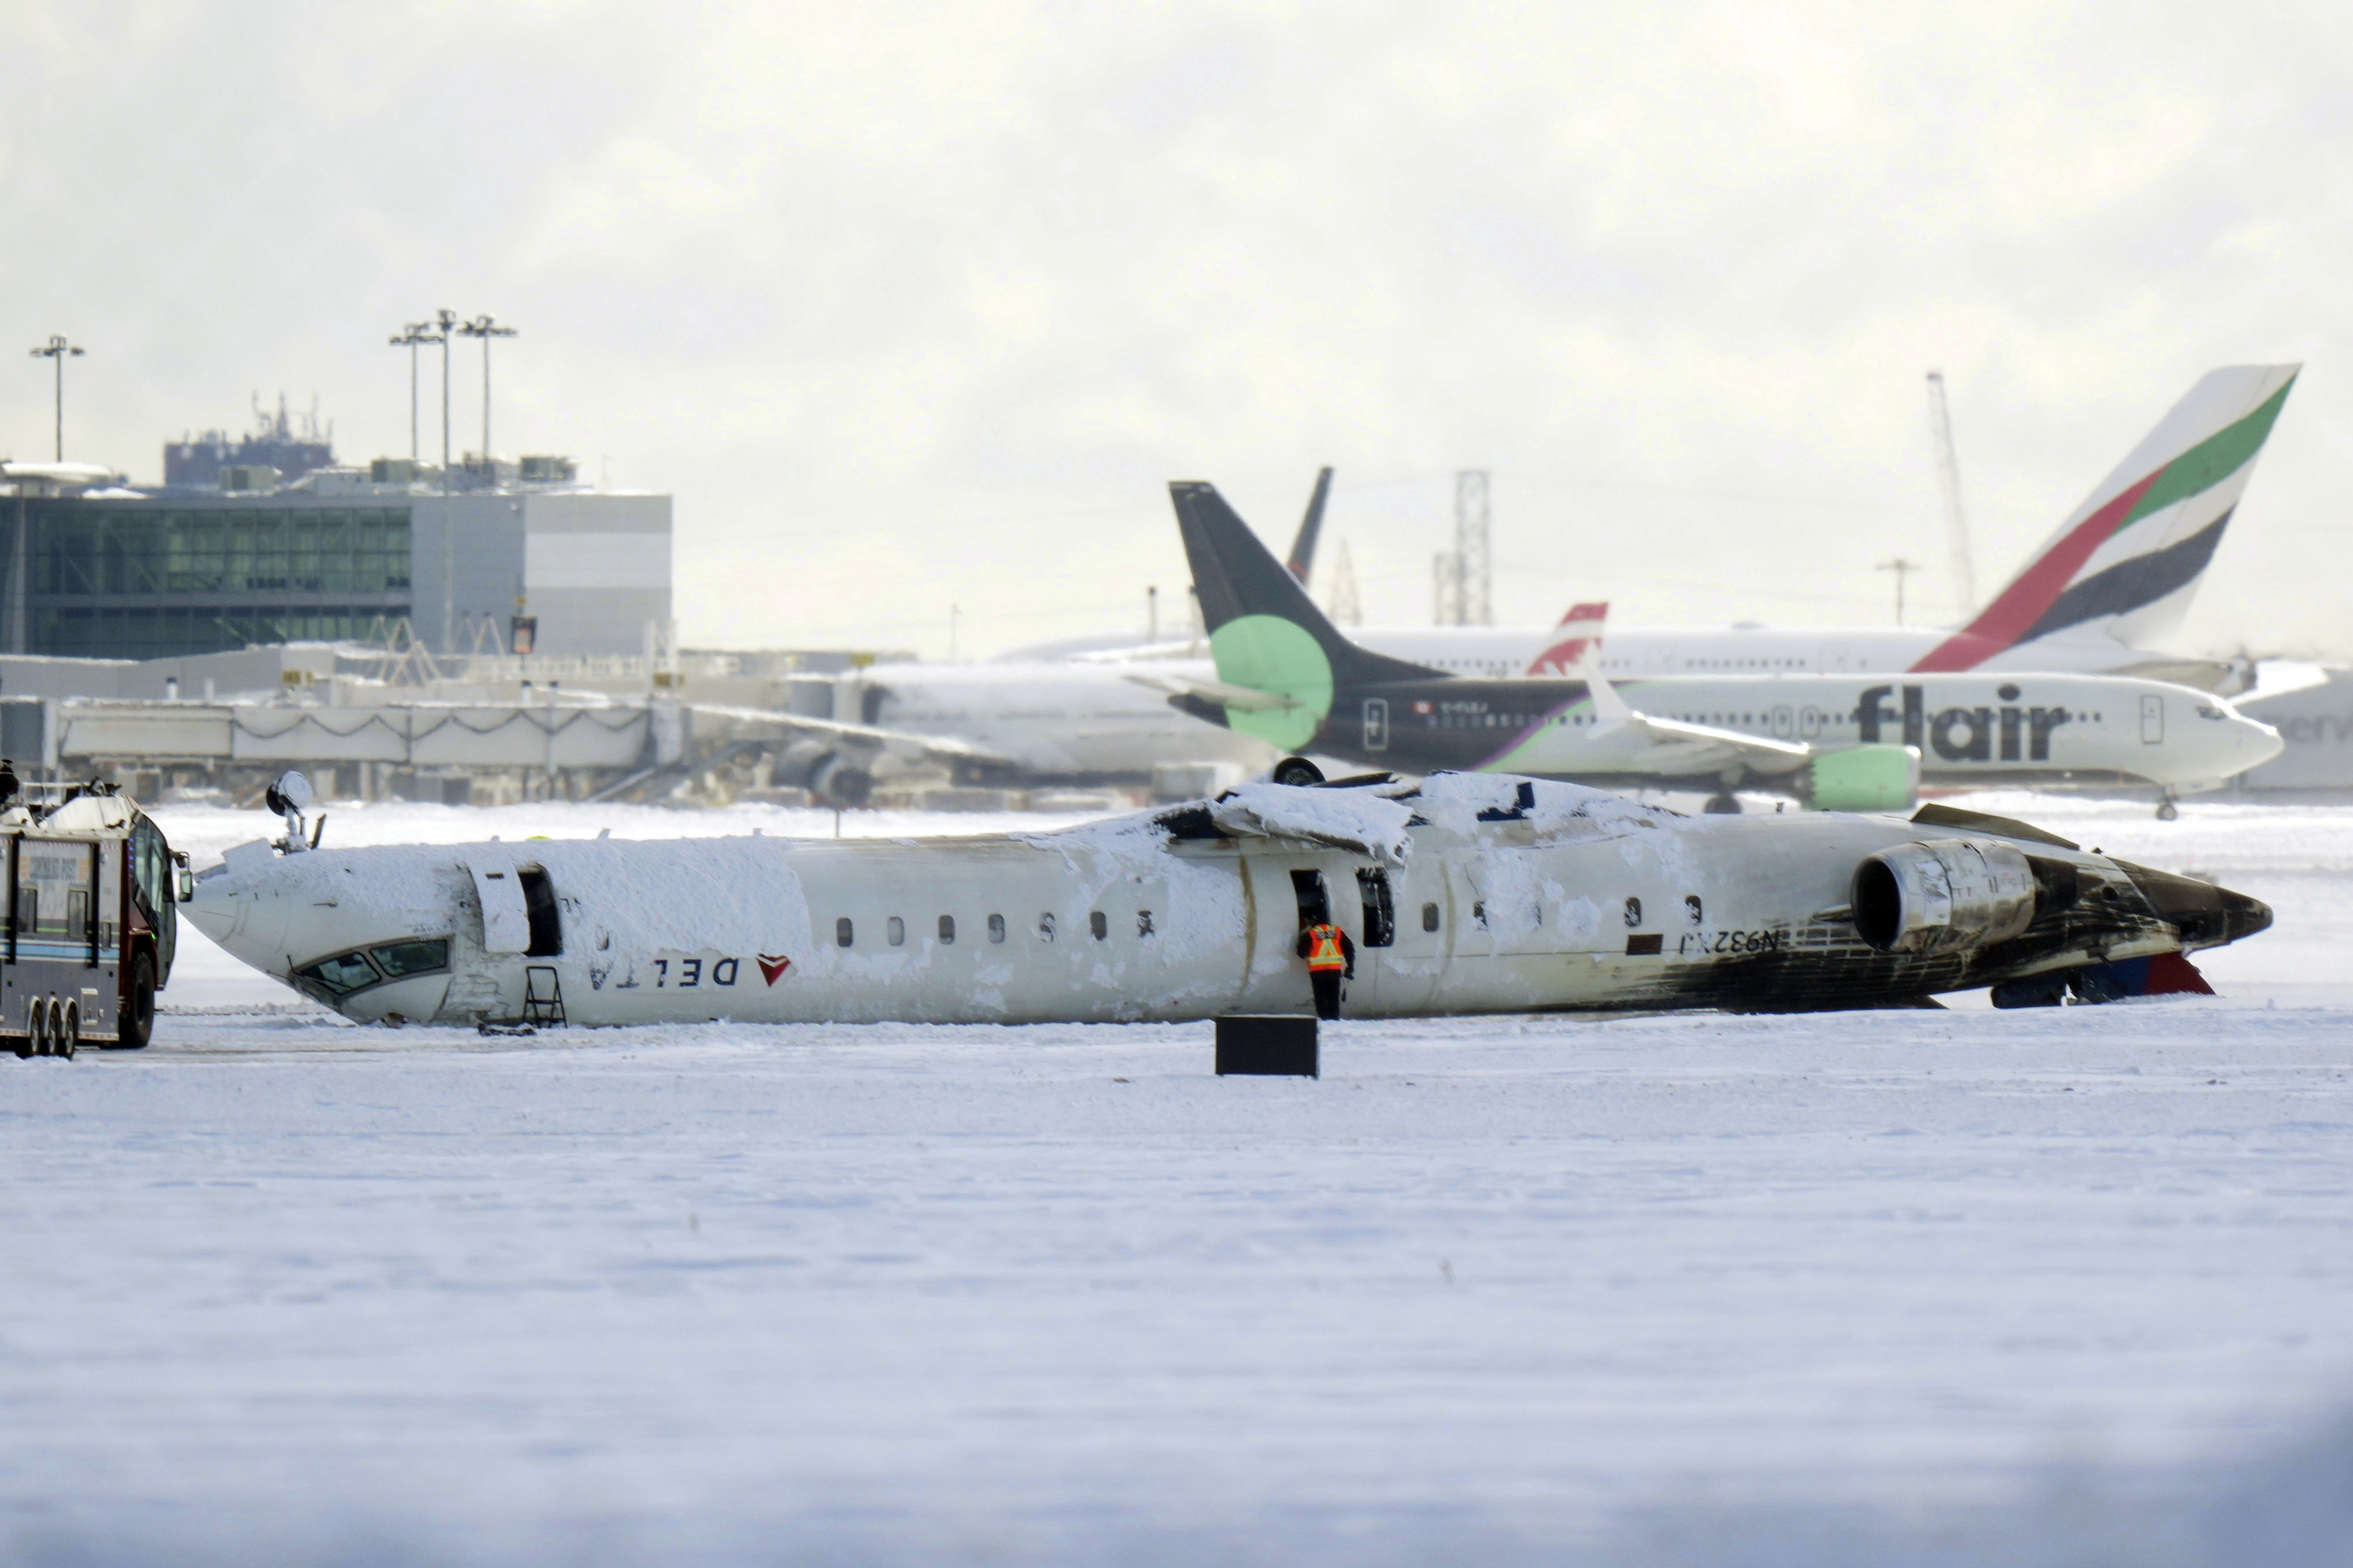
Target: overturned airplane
x,y
1465,893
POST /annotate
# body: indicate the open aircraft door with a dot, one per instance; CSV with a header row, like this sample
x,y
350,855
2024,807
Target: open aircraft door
x,y
506,921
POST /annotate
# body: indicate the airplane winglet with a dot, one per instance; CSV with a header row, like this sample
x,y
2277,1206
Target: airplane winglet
x,y
1609,709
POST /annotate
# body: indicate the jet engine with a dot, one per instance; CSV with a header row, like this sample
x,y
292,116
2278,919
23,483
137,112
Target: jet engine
x,y
1861,778
1943,896
836,781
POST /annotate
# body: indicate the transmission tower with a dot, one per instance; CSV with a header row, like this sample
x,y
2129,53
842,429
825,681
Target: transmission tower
x,y
1476,572
1949,478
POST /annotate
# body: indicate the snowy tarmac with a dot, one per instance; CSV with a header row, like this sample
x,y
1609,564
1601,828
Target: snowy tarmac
x,y
280,1289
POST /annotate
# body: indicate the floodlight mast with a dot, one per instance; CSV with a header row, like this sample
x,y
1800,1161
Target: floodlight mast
x,y
413,334
57,350
486,327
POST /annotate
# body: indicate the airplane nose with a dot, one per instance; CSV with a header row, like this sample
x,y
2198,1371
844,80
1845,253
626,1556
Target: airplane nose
x,y
2243,916
215,909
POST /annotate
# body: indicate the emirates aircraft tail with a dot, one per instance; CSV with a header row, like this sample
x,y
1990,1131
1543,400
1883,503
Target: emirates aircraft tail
x,y
2126,564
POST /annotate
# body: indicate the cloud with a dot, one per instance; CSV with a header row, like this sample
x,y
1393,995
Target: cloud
x,y
918,306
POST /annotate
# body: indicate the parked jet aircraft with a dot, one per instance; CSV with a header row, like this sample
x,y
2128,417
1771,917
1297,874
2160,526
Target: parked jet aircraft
x,y
1287,675
1467,893
2109,586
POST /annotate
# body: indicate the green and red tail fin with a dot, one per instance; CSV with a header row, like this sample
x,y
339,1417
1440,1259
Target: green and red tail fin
x,y
2125,565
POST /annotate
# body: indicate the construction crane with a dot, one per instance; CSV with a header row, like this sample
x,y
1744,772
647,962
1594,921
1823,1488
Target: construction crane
x,y
1948,478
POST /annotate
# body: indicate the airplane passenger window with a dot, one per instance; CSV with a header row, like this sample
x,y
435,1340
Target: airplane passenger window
x,y
1430,917
1633,912
947,931
841,931
896,930
1479,913
996,927
1046,926
1690,907
1099,924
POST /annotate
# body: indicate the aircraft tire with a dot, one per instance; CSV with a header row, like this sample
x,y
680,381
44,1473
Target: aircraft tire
x,y
1297,772
137,1025
2167,811
66,1032
1725,803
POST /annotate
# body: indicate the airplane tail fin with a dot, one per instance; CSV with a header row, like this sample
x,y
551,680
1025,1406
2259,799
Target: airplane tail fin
x,y
1310,526
1575,642
2128,561
1265,632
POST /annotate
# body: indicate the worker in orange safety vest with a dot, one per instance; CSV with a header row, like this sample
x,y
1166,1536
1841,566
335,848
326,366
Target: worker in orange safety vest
x,y
1330,956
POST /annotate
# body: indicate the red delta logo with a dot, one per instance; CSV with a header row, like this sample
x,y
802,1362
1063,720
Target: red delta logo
x,y
773,968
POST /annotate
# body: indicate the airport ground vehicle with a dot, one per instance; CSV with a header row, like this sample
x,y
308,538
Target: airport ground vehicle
x,y
91,920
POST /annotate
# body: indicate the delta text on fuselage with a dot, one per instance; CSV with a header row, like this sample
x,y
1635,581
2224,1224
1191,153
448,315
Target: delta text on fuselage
x,y
1466,894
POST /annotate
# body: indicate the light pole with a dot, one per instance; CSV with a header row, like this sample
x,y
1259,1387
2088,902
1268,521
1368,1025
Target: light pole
x,y
413,335
1903,569
59,350
445,319
485,328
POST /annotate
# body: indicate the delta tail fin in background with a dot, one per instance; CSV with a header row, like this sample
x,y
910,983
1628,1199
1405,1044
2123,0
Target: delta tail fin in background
x,y
1576,643
2125,565
1310,527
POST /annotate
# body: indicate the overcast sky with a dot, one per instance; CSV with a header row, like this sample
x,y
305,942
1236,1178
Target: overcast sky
x,y
921,307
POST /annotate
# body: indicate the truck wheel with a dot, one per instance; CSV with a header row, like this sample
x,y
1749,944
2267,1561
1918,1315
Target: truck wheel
x,y
65,1031
137,1025
23,1044
37,1024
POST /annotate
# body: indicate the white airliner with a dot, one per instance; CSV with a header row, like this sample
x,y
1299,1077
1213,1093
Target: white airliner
x,y
1286,675
1467,893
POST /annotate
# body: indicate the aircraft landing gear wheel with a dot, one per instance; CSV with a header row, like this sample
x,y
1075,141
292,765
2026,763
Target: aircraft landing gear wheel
x,y
1724,804
2166,810
1297,772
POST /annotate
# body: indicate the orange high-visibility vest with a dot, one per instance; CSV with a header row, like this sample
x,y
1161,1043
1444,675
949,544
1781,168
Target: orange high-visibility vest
x,y
1324,948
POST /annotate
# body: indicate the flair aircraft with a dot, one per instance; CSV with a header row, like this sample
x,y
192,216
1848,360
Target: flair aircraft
x,y
1286,675
1467,893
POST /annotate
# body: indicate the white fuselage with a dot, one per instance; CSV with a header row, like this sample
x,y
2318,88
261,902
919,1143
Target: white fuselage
x,y
1585,901
1972,730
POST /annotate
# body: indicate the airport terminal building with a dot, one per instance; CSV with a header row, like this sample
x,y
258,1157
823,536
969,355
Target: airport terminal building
x,y
107,572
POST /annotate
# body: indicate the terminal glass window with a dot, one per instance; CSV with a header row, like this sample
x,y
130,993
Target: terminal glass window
x,y
141,581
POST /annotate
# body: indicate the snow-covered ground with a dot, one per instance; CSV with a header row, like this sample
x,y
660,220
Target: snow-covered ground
x,y
2053,1286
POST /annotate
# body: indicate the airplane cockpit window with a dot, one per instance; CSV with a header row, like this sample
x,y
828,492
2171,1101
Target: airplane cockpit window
x,y
341,974
401,959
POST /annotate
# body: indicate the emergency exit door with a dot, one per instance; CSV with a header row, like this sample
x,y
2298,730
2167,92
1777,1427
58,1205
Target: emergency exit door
x,y
2152,721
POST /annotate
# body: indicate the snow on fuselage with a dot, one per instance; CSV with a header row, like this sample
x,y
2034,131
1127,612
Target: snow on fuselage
x,y
1501,896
